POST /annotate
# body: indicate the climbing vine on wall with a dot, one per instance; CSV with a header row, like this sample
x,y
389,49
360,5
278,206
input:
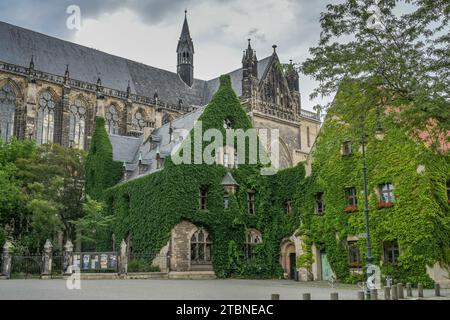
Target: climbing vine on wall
x,y
419,220
150,206
101,171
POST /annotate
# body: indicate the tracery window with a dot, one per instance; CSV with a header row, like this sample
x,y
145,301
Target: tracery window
x,y
200,247
77,126
253,238
112,120
46,118
7,111
138,122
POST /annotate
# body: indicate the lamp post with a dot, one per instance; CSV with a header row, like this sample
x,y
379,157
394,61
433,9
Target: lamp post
x,y
369,258
379,135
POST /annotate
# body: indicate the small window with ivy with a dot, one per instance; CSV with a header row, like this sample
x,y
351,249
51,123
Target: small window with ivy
x,y
253,238
346,148
288,207
386,193
354,256
391,252
226,201
351,200
448,191
227,124
319,203
251,201
203,198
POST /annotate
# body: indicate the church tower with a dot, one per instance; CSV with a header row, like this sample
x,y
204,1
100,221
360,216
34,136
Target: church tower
x,y
185,54
249,71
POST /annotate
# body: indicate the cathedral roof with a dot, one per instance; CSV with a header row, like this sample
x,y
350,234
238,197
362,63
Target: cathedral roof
x,y
51,55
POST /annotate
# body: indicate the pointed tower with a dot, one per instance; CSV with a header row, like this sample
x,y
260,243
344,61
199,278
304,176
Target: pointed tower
x,y
293,83
249,71
185,54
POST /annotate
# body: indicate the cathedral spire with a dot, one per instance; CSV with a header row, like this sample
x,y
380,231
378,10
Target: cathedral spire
x,y
185,54
249,70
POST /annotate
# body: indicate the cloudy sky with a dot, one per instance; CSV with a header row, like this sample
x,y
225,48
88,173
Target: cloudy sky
x,y
147,30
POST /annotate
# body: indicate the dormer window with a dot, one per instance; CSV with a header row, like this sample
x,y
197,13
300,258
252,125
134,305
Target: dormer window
x,y
227,124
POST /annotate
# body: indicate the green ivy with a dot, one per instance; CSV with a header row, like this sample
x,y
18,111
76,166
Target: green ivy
x,y
101,171
149,207
419,220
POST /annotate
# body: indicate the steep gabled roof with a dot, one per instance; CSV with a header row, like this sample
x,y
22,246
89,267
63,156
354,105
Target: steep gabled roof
x,y
51,55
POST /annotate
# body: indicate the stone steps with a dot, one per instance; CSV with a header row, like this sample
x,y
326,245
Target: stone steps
x,y
192,275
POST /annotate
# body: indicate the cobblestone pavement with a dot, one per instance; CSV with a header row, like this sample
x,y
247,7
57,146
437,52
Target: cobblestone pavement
x,y
181,289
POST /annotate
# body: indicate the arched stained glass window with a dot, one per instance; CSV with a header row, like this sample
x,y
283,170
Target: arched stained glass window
x,y
138,122
112,120
7,111
77,124
46,118
200,247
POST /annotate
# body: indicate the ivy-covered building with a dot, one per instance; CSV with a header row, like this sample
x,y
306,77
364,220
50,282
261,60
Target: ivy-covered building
x,y
408,195
223,217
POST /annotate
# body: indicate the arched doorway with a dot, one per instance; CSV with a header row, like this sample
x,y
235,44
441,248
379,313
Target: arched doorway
x,y
288,258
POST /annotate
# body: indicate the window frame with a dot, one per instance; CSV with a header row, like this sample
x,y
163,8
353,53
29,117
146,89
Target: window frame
x,y
346,148
198,246
77,120
203,198
251,202
226,201
354,255
391,248
386,196
351,197
8,105
319,202
252,239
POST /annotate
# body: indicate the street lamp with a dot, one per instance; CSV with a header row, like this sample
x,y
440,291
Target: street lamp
x,y
379,135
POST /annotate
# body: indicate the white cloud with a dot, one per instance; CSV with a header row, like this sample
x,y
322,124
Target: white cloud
x,y
219,31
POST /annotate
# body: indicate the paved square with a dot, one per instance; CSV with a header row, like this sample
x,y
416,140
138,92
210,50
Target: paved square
x,y
229,289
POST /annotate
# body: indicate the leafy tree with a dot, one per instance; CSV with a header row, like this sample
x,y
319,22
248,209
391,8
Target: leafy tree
x,y
408,54
54,177
94,222
12,202
45,221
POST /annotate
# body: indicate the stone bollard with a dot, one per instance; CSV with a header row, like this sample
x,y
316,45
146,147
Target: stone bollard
x,y
334,296
47,260
373,294
123,258
387,293
420,290
68,256
360,295
400,292
437,290
394,291
307,296
409,290
6,260
275,296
